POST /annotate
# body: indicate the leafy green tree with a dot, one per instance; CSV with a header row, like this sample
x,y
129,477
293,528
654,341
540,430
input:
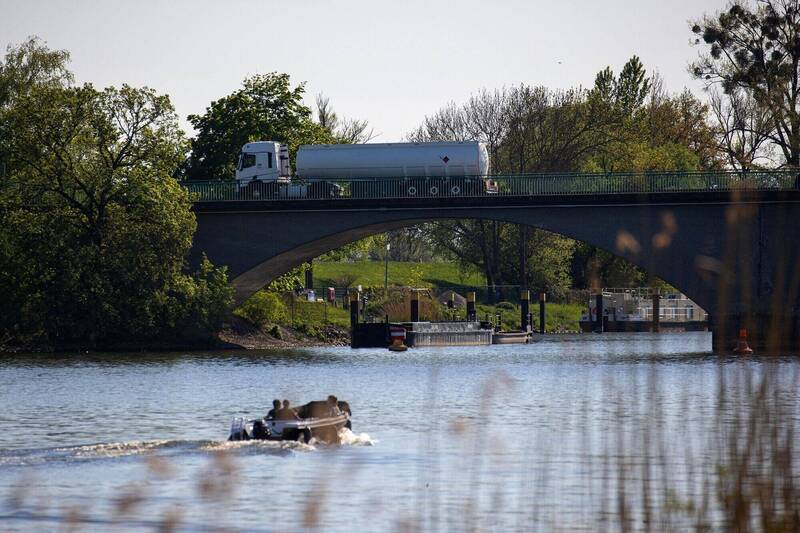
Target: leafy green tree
x,y
267,107
754,47
24,67
632,86
94,229
647,129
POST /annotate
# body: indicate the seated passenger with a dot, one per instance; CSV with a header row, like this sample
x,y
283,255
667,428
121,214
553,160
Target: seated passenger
x,y
276,405
286,413
333,406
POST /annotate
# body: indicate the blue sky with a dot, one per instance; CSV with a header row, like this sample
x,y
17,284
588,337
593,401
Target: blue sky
x,y
390,63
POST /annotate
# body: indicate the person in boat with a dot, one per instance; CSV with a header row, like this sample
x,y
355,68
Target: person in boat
x,y
333,406
276,405
286,412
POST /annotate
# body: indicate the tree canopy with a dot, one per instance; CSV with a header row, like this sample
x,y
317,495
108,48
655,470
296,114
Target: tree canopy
x,y
756,48
94,230
266,107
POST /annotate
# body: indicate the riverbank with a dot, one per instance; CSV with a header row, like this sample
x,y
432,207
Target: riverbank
x,y
236,334
241,333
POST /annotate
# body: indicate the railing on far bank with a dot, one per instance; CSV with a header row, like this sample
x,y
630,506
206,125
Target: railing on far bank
x,y
543,184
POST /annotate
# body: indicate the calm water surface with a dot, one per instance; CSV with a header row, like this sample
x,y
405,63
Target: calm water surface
x,y
498,437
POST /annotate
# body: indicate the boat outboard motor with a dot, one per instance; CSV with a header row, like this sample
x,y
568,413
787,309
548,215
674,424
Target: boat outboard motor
x,y
238,431
259,430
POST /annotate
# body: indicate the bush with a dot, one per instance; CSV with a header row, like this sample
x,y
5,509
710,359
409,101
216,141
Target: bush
x,y
275,331
263,308
508,306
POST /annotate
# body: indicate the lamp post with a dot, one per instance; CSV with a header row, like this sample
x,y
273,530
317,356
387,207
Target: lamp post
x,y
386,269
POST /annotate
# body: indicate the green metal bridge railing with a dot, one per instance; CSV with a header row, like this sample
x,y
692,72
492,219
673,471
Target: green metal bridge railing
x,y
545,184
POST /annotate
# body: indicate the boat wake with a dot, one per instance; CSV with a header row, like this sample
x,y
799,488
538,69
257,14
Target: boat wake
x,y
166,448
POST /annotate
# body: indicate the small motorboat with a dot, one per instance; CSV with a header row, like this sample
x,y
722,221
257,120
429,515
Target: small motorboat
x,y
314,420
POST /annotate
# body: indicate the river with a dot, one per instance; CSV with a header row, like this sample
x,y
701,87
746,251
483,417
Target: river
x,y
567,433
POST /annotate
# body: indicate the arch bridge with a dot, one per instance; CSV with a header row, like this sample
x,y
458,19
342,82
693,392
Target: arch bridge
x,y
730,241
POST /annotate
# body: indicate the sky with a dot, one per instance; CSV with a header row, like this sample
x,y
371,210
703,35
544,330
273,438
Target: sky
x,y
390,63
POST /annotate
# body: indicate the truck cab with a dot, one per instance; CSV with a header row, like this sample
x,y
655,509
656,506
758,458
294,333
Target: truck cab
x,y
263,161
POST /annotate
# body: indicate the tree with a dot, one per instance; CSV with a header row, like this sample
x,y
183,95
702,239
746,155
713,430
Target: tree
x,y
343,131
754,48
94,230
632,86
29,65
267,107
482,118
518,127
646,129
742,128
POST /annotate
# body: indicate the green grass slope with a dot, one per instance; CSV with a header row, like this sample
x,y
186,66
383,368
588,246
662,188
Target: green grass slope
x,y
371,273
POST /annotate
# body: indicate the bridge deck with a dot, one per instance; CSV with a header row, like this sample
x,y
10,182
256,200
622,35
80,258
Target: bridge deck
x,y
553,185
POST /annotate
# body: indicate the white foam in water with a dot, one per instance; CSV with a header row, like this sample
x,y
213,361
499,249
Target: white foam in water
x,y
275,445
349,438
114,449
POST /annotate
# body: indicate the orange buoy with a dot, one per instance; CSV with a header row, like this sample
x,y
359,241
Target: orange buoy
x,y
398,335
741,345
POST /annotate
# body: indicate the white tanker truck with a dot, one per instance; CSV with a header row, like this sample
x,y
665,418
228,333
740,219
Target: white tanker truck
x,y
326,170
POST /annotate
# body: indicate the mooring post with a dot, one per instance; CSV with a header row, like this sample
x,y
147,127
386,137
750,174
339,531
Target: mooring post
x,y
472,316
656,322
310,276
524,309
414,306
542,299
353,310
598,307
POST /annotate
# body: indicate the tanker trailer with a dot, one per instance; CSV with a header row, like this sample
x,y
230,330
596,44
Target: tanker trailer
x,y
398,169
364,170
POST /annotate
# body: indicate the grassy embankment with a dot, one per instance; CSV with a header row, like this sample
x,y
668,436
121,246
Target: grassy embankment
x,y
559,317
401,274
309,318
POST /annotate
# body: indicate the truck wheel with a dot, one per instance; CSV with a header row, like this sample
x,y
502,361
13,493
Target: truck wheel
x,y
456,187
306,435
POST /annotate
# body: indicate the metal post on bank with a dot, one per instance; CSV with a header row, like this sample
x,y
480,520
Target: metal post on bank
x,y
414,306
472,315
542,300
598,308
353,309
524,309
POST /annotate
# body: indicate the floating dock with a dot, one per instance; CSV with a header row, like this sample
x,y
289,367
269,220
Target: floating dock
x,y
418,334
447,334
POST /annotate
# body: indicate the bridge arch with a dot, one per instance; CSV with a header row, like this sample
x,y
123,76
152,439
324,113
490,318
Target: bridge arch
x,y
260,246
